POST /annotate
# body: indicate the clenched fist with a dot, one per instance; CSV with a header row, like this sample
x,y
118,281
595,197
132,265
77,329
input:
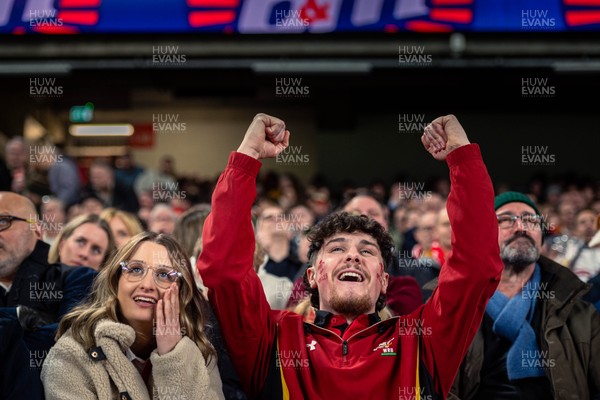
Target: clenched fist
x,y
443,135
265,138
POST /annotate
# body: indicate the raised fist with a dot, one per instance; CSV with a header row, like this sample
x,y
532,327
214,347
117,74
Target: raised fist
x,y
443,135
265,138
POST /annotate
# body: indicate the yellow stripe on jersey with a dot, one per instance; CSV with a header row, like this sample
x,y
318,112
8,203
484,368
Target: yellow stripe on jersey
x,y
284,388
418,391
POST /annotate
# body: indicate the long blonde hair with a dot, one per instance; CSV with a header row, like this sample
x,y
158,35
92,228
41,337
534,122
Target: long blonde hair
x,y
103,303
69,229
129,220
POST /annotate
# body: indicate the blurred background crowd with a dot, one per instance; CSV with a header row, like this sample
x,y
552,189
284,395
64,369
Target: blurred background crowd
x,y
132,198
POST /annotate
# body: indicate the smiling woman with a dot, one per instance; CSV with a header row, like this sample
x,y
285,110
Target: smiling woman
x,y
143,328
85,241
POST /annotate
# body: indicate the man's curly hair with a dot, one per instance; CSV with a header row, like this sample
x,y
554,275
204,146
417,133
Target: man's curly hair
x,y
343,222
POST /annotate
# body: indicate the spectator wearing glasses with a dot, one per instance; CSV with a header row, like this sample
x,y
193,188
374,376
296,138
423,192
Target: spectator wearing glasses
x,y
34,295
33,291
142,333
538,339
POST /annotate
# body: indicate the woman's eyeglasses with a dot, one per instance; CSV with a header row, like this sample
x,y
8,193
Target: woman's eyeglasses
x,y
135,271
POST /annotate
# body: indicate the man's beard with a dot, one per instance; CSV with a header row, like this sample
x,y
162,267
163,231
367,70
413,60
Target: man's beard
x,y
8,267
10,261
517,257
350,306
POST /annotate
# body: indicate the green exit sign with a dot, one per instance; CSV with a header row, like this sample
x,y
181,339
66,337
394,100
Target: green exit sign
x,y
82,113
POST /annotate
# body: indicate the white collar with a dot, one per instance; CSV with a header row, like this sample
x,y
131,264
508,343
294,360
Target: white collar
x,y
6,287
131,356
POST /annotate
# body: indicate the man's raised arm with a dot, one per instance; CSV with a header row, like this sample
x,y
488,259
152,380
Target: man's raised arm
x,y
225,263
472,271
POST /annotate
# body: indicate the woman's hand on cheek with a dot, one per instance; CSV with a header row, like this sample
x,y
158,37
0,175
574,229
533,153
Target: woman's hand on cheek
x,y
168,329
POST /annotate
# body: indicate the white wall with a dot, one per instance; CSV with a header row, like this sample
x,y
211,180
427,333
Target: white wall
x,y
212,132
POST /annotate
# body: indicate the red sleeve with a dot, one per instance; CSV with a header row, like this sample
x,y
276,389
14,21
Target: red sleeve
x,y
225,265
471,272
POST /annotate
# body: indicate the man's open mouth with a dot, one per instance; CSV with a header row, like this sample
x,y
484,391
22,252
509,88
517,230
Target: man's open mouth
x,y
351,276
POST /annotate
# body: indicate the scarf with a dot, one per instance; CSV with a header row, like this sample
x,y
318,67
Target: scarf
x,y
512,320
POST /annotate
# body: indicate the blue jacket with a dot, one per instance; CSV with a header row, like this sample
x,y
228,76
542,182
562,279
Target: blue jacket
x,y
18,380
45,292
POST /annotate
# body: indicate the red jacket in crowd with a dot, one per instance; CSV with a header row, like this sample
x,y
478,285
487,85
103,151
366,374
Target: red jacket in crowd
x,y
278,356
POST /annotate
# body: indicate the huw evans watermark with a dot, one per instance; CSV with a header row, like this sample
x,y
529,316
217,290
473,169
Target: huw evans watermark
x,y
413,393
46,19
406,260
413,327
537,87
290,20
169,392
537,20
163,191
45,87
291,359
539,291
291,87
168,55
45,291
37,358
171,328
411,123
413,191
167,123
292,155
290,223
44,155
537,155
47,224
413,56
537,359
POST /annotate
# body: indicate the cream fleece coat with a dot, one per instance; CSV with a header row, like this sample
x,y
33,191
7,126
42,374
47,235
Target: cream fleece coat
x,y
71,372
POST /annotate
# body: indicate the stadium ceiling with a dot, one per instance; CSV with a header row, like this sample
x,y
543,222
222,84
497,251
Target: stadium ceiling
x,y
571,52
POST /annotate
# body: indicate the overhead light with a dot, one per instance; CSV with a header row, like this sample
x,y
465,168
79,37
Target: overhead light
x,y
101,130
576,66
35,68
312,67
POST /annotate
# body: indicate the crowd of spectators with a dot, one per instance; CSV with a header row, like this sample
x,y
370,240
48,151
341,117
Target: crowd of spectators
x,y
132,198
87,213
